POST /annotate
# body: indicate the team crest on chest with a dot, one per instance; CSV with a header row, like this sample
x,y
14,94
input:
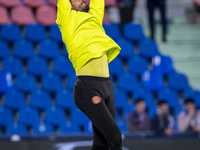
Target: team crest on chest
x,y
96,100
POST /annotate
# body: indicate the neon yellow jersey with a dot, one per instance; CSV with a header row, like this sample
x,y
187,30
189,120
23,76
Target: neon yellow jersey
x,y
83,33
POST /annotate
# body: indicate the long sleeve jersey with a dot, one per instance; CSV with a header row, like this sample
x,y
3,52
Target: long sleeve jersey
x,y
83,33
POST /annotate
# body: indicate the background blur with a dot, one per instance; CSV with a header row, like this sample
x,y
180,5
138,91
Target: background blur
x,y
156,81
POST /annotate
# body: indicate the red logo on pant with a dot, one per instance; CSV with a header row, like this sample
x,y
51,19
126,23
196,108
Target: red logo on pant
x,y
96,99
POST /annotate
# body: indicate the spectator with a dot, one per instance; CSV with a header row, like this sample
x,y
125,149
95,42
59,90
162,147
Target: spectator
x,y
197,5
189,118
126,8
138,121
151,6
163,122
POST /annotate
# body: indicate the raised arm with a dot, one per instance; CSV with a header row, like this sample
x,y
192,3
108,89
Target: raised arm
x,y
63,11
97,8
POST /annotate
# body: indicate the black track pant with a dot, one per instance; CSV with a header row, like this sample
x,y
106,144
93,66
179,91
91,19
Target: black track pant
x,y
95,97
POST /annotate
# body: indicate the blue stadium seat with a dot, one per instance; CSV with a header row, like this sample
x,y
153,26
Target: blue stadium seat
x,y
14,100
28,116
6,116
16,128
12,65
51,82
40,99
43,128
177,81
112,30
4,49
10,32
23,49
163,64
65,53
37,66
76,115
63,66
55,33
148,48
70,81
121,120
152,111
48,49
153,80
54,112
65,100
26,82
127,48
121,99
35,32
6,83
170,96
116,66
137,65
133,32
146,95
69,127
128,82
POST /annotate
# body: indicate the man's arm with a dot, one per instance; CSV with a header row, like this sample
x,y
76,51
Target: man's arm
x,y
97,8
63,11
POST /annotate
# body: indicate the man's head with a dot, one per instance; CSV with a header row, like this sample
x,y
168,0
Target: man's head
x,y
163,107
79,5
189,104
140,105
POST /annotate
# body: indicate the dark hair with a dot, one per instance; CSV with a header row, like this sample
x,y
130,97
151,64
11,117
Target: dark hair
x,y
162,101
139,100
189,100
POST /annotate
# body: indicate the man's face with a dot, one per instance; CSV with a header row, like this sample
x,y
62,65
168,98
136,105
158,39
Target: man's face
x,y
190,106
80,5
140,107
164,108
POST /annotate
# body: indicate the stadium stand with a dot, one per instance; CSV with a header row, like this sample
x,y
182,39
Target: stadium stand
x,y
39,41
12,65
128,82
28,116
40,99
43,128
16,129
10,3
52,113
46,15
35,3
23,49
14,100
22,15
37,66
55,33
51,82
62,67
4,49
35,32
10,32
112,30
51,47
130,28
65,100
127,49
26,82
137,65
4,19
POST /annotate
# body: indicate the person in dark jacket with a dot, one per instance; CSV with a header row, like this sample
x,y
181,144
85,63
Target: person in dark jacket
x,y
151,6
138,120
126,8
162,122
